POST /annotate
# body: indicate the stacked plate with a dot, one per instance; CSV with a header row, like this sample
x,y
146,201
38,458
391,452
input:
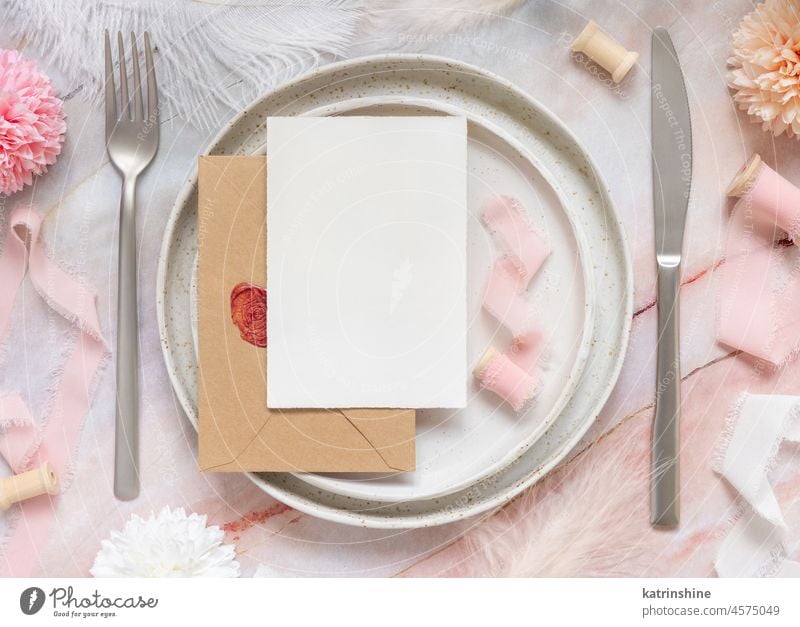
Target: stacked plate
x,y
476,458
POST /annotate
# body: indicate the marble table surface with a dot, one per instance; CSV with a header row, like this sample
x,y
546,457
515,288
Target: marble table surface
x,y
528,46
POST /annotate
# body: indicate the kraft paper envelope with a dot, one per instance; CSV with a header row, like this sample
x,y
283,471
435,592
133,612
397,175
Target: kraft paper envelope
x,y
237,431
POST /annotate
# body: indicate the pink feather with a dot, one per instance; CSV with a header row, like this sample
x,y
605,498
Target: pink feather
x,y
586,519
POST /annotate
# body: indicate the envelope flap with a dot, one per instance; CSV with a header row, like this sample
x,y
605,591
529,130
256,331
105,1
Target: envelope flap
x,y
389,433
299,440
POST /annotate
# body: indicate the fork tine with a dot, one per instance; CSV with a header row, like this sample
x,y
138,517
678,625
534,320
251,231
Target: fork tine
x,y
111,96
152,89
124,101
138,109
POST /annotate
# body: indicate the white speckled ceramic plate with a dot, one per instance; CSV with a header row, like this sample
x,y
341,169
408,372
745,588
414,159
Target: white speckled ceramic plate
x,y
499,104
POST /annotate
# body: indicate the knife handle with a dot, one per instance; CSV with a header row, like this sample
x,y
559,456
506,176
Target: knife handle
x,y
664,478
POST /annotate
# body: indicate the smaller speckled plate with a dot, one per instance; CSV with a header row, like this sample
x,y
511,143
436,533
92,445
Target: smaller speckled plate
x,y
455,448
499,105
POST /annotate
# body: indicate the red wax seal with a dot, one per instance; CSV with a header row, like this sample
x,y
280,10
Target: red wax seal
x,y
249,312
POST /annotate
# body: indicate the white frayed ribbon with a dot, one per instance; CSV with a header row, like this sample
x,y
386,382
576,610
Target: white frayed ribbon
x,y
757,426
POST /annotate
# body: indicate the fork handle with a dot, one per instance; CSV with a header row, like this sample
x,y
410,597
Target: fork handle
x,y
665,479
126,457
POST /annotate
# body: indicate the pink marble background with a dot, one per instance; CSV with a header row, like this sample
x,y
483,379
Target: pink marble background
x,y
528,46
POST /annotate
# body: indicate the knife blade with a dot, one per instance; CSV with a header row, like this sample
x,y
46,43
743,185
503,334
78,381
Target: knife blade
x,y
672,177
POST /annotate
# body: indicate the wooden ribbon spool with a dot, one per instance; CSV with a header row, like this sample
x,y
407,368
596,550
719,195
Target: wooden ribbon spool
x,y
26,485
744,176
605,51
496,372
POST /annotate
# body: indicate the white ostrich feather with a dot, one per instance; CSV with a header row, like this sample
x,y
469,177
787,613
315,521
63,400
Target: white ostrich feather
x,y
587,519
213,57
171,544
416,18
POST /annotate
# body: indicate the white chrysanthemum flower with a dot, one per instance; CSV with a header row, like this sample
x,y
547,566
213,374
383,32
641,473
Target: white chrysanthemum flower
x,y
171,544
766,66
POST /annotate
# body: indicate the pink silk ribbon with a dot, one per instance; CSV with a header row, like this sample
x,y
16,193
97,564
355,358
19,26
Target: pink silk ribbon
x,y
513,374
759,309
776,200
23,443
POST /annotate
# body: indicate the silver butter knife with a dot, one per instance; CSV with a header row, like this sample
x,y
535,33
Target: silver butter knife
x,y
672,178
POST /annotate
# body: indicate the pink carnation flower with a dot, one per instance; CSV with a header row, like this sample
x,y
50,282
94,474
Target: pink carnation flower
x,y
31,122
766,66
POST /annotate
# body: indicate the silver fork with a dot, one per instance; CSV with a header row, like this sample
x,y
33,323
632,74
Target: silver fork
x,y
132,142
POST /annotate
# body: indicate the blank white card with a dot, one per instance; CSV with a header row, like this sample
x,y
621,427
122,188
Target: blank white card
x,y
366,262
